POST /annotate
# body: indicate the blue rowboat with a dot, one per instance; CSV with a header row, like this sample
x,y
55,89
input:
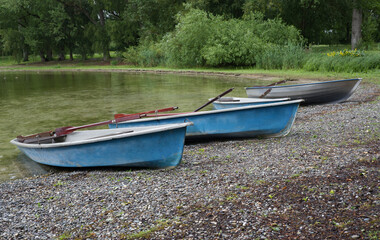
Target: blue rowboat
x,y
231,102
267,120
313,93
151,147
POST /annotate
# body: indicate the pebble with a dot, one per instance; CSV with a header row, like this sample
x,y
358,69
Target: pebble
x,y
215,193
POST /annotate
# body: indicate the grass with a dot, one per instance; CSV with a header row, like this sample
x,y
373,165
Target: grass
x,y
160,225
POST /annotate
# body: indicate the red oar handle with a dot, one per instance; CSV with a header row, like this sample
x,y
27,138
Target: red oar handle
x,y
62,131
35,136
67,130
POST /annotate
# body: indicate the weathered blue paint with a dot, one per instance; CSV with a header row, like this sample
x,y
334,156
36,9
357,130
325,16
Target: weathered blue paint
x,y
267,120
232,102
152,147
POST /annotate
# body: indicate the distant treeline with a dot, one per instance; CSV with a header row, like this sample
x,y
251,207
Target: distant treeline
x,y
264,33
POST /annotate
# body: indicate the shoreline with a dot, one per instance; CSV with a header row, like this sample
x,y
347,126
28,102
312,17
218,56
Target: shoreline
x,y
320,181
267,75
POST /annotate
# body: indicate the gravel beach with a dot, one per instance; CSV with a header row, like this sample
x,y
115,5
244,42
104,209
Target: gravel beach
x,y
321,181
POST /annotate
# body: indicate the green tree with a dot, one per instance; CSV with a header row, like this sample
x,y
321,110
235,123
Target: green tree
x,y
371,11
205,39
141,21
98,12
227,8
324,21
13,21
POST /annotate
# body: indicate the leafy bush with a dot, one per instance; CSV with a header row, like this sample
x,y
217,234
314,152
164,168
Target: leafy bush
x,y
273,30
146,54
204,39
201,39
232,44
183,46
12,42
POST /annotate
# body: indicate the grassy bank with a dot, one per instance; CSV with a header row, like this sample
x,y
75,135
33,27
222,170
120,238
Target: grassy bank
x,y
317,65
97,65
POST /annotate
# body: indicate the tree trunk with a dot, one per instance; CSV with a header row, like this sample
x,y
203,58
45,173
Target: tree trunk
x,y
356,34
42,56
106,55
25,54
71,55
61,56
49,55
105,40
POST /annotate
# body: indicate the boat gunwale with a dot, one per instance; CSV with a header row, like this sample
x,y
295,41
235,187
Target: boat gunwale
x,y
214,111
251,100
306,84
127,134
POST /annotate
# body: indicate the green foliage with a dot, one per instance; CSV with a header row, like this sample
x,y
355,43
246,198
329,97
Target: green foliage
x,y
147,54
232,44
13,43
322,62
183,47
370,31
204,39
197,33
227,8
288,56
346,52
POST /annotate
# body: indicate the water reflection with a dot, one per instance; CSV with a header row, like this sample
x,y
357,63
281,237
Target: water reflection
x,y
32,102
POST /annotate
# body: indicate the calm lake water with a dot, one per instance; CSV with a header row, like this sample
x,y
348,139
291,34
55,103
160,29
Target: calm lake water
x,y
32,102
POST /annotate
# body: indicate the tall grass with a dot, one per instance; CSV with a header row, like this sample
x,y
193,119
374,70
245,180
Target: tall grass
x,y
290,56
322,62
7,60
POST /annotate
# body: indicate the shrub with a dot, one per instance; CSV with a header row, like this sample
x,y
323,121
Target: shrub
x,y
232,44
204,39
183,46
147,54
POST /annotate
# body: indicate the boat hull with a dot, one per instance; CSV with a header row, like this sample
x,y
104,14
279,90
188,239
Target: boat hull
x,y
266,120
313,93
225,103
160,148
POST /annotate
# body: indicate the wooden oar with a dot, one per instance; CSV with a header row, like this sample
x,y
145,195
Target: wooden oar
x,y
273,84
165,114
214,99
119,115
173,108
59,133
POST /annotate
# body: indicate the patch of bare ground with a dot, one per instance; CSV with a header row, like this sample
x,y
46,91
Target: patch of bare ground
x,y
342,205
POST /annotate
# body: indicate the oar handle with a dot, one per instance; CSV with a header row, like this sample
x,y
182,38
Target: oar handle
x,y
35,136
276,83
67,130
120,115
63,131
214,99
265,93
